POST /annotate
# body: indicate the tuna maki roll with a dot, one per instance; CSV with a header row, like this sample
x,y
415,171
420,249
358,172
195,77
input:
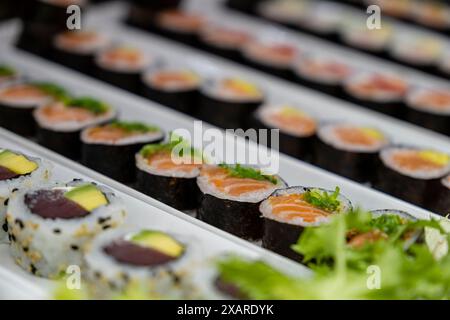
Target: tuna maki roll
x,y
429,108
287,212
19,100
49,227
170,175
18,171
7,74
179,25
122,66
380,92
174,87
158,260
408,172
142,12
110,149
297,128
231,195
229,102
349,150
77,49
438,197
60,123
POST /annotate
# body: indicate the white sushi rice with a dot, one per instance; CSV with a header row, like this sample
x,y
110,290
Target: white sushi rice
x,y
133,139
39,176
213,89
413,97
143,165
266,208
171,279
356,34
386,157
93,45
46,247
446,182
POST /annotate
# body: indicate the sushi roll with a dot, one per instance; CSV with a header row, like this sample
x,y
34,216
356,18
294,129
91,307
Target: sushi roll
x,y
229,102
384,93
408,172
224,40
358,36
168,176
429,108
383,212
432,14
77,49
122,66
18,171
271,57
156,259
175,87
19,100
319,21
50,226
110,149
7,74
398,8
231,195
349,150
287,212
438,197
297,128
60,123
322,73
289,13
142,12
179,25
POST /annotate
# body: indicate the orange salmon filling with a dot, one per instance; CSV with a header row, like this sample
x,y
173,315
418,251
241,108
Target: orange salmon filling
x,y
329,67
220,178
74,39
359,240
182,20
163,161
59,112
22,92
129,56
355,136
277,53
439,100
109,133
380,83
292,206
173,78
412,160
300,124
227,36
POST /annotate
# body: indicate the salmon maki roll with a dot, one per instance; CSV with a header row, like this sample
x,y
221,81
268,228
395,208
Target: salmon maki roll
x,y
287,212
408,172
118,142
286,12
438,197
349,150
231,195
179,25
170,176
60,123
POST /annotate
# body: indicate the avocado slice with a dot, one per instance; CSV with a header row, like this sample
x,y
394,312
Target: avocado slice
x,y
87,196
158,241
17,163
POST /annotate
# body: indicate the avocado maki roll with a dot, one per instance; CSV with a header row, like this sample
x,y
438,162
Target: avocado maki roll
x,y
7,74
175,87
408,172
349,150
380,92
438,197
60,123
287,212
229,102
77,49
142,12
179,25
17,172
231,195
122,67
50,226
156,259
296,128
19,100
429,108
117,142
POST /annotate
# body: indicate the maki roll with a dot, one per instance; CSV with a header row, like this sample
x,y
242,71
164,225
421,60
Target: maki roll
x,y
179,25
297,129
438,197
122,67
271,57
60,123
18,171
287,212
174,87
399,8
429,108
158,260
49,227
110,149
229,102
224,41
7,74
349,150
432,14
358,36
19,100
392,212
408,172
170,176
319,21
380,92
231,195
77,49
289,13
142,12
321,73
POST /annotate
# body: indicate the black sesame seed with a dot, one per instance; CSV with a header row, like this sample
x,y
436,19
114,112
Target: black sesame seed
x,y
74,247
33,269
12,238
107,226
103,220
5,203
14,190
57,231
77,179
97,274
20,223
5,226
25,249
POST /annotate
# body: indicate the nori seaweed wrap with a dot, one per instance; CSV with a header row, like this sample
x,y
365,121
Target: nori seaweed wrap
x,y
438,197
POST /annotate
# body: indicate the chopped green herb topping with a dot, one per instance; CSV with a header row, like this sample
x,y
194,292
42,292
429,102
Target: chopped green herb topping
x,y
134,126
321,199
184,146
248,173
53,90
6,71
88,103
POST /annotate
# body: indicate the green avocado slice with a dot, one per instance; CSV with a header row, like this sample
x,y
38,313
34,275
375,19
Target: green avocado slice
x,y
17,163
87,196
159,241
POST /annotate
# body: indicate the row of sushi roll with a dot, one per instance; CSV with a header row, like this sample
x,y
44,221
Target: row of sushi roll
x,y
422,51
86,129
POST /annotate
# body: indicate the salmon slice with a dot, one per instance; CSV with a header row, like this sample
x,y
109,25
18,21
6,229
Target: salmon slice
x,y
59,112
294,122
163,161
182,20
412,160
108,133
355,136
122,54
292,206
164,78
440,100
22,92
